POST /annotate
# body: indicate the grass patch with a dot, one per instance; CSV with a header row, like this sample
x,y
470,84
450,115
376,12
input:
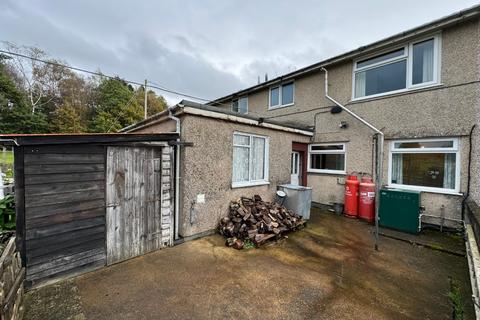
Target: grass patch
x,y
456,299
6,157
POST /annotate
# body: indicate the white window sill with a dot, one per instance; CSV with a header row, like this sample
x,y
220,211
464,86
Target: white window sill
x,y
326,171
396,92
280,106
249,184
425,189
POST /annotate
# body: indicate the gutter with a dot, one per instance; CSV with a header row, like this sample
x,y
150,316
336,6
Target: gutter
x,y
380,139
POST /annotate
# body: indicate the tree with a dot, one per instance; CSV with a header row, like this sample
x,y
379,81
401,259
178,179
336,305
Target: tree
x,y
68,119
116,106
155,104
15,114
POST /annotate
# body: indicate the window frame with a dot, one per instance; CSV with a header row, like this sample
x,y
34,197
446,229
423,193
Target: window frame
x,y
455,149
338,151
408,56
280,94
238,99
250,182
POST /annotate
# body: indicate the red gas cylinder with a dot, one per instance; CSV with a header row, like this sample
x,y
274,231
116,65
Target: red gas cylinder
x,y
351,196
366,203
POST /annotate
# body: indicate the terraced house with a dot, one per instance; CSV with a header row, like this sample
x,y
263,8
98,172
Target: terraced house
x,y
419,87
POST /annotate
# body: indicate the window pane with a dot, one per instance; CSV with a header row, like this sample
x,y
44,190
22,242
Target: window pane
x,y
327,161
332,147
422,62
435,170
274,97
258,158
383,57
424,144
242,105
240,164
287,93
235,105
382,79
241,140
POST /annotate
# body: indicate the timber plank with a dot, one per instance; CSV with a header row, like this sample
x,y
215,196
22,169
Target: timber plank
x,y
63,260
64,197
49,210
55,250
64,177
65,149
45,272
64,168
82,246
64,217
56,188
62,158
58,229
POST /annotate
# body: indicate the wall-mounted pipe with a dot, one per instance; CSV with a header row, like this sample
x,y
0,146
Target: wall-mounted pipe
x,y
379,162
10,140
177,172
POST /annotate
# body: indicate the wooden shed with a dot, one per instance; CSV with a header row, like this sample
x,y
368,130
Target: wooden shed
x,y
89,200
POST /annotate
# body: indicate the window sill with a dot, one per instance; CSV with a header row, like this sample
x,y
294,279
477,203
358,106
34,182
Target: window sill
x,y
425,189
280,107
249,184
395,93
330,172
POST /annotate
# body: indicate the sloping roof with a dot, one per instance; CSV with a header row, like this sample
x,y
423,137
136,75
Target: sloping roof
x,y
435,25
193,108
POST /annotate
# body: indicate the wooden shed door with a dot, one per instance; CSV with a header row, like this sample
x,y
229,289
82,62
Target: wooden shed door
x,y
133,202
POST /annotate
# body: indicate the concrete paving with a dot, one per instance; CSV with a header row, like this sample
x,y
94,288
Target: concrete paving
x,y
328,270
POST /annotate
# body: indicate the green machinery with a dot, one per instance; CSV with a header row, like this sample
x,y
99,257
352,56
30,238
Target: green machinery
x,y
400,210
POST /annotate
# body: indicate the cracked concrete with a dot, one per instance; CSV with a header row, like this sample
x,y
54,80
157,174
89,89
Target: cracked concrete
x,y
328,270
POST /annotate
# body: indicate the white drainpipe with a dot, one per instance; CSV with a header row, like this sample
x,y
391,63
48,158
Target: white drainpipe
x,y
177,173
379,165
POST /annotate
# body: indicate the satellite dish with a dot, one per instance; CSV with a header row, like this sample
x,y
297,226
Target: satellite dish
x,y
281,194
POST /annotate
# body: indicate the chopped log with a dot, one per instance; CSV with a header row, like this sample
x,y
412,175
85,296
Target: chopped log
x,y
257,220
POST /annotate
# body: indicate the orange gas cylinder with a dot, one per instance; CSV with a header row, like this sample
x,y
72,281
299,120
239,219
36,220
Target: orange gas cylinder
x,y
366,203
351,196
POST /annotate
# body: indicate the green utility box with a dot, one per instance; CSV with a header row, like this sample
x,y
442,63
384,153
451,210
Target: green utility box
x,y
400,210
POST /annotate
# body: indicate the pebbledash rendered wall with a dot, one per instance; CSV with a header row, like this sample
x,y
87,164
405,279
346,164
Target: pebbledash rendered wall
x,y
445,110
207,169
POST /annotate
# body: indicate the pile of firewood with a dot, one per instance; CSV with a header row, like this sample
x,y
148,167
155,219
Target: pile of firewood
x,y
256,221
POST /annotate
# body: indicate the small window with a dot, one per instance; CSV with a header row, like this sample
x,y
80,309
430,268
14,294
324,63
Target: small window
x,y
240,105
282,96
274,96
413,65
428,165
326,158
250,160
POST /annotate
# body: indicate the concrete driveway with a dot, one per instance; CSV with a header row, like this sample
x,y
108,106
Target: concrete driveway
x,y
328,270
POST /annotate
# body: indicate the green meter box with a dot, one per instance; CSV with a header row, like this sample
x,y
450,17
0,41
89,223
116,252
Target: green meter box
x,y
400,209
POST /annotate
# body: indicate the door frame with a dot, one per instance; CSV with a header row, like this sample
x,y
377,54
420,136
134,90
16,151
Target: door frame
x,y
302,149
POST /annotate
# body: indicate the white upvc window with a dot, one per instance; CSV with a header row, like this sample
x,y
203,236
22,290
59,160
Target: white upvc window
x,y
327,158
281,96
250,160
431,165
414,65
240,105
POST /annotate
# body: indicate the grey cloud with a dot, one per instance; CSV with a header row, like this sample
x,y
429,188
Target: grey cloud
x,y
207,48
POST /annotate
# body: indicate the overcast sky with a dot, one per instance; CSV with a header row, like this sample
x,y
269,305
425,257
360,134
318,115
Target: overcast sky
x,y
207,48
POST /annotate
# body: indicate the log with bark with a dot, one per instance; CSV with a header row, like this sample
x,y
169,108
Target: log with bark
x,y
254,220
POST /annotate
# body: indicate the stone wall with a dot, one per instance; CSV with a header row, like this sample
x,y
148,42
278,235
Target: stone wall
x,y
12,276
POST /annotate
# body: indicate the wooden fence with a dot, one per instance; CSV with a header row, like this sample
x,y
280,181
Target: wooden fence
x,y
12,276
